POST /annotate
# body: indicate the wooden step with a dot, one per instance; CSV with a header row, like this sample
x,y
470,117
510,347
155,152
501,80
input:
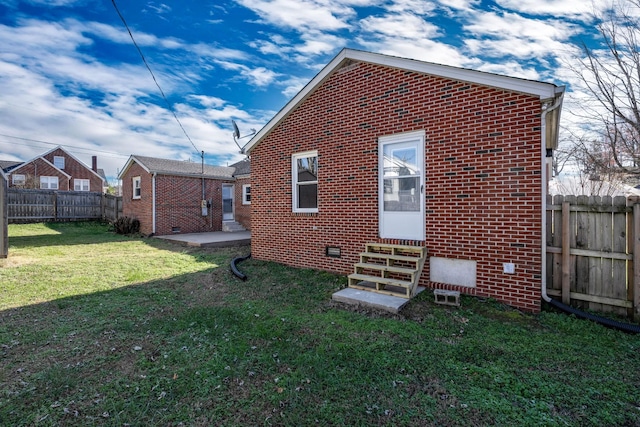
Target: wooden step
x,y
388,257
420,251
380,280
384,268
380,260
378,284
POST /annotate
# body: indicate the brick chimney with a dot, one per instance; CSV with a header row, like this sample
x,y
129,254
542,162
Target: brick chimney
x,y
94,163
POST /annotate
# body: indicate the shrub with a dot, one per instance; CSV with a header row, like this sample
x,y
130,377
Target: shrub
x,y
126,225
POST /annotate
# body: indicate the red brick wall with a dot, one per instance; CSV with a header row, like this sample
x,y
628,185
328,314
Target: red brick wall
x,y
141,208
178,205
178,208
242,212
483,180
76,170
37,168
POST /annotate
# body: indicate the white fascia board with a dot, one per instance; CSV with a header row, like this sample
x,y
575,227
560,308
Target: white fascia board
x,y
127,165
532,87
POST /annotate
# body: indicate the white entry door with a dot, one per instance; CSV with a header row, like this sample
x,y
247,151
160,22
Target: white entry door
x,y
401,186
227,202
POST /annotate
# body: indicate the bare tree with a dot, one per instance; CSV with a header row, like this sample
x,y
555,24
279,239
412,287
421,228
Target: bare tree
x,y
610,77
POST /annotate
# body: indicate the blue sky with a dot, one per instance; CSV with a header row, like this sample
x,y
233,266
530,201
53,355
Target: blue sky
x,y
70,75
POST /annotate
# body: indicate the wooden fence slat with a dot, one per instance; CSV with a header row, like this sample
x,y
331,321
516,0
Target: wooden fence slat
x,y
592,240
566,255
636,262
43,205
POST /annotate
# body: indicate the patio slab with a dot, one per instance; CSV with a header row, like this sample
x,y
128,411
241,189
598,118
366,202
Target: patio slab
x,y
212,239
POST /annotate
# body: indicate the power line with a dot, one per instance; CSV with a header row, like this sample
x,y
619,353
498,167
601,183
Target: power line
x,y
152,75
90,150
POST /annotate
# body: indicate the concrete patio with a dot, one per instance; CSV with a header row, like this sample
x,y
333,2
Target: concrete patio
x,y
212,239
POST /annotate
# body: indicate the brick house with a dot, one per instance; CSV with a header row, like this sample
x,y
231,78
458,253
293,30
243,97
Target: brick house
x,y
172,196
56,169
403,153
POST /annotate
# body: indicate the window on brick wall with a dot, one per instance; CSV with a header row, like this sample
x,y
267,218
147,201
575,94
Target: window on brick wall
x,y
246,194
58,161
81,184
136,187
49,182
18,179
304,171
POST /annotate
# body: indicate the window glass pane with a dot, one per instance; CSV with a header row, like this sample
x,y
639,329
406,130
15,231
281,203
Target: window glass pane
x,y
58,161
402,194
307,169
308,196
400,161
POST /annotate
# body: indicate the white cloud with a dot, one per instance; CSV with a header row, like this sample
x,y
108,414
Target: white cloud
x,y
408,26
301,15
568,8
499,35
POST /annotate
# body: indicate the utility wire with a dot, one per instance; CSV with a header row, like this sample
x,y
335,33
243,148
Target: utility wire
x,y
90,150
153,76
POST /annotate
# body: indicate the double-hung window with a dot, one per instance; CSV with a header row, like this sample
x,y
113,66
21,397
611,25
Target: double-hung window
x,y
81,184
246,194
304,168
58,161
136,187
18,179
49,182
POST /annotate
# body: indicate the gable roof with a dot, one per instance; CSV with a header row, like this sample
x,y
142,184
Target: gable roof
x,y
545,91
7,165
178,167
18,165
59,147
243,167
60,171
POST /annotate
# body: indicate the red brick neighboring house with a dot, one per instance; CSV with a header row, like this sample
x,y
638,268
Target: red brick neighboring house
x,y
172,196
57,169
380,149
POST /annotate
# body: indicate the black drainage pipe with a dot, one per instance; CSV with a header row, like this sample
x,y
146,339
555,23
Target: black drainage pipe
x,y
234,267
610,323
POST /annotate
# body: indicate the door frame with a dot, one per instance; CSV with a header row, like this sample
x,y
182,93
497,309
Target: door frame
x,y
409,225
233,204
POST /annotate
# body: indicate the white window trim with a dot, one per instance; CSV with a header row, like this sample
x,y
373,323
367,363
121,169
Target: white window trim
x,y
21,181
60,159
133,183
294,181
246,187
49,180
81,183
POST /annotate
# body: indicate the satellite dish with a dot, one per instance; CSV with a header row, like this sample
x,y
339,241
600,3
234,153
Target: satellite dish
x,y
236,136
236,131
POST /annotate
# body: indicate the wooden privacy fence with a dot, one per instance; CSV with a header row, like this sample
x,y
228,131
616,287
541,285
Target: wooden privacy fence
x,y
591,253
50,205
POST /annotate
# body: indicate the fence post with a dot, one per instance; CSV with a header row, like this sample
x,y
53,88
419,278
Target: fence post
x,y
55,205
636,262
566,254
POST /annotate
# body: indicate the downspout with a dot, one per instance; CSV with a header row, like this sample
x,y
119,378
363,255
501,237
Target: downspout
x,y
153,203
543,154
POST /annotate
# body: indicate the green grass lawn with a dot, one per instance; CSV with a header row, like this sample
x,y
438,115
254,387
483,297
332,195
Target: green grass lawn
x,y
101,329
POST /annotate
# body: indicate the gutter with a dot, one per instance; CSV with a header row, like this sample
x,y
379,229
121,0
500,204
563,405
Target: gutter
x,y
153,203
556,104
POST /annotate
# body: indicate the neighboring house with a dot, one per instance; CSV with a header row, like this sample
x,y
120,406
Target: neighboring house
x,y
380,149
56,169
172,196
579,185
242,175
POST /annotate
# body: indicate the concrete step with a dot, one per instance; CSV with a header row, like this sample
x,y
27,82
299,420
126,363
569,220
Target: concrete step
x,y
231,227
